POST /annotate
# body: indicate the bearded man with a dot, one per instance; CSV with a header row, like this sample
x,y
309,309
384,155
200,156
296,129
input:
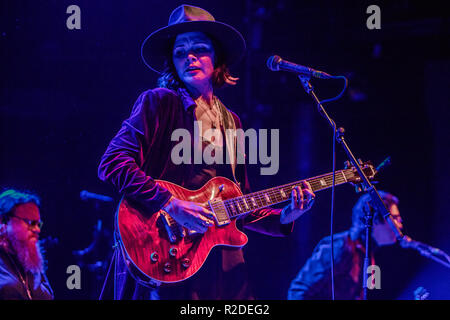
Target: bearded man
x,y
22,274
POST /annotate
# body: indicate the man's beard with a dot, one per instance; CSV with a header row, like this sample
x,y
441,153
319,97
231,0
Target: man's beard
x,y
29,255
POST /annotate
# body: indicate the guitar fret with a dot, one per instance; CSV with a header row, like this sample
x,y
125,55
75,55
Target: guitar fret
x,y
323,182
259,201
232,207
245,203
278,194
239,205
229,208
264,198
343,176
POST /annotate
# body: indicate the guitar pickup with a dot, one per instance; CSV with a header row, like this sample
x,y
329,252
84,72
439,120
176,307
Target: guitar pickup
x,y
220,212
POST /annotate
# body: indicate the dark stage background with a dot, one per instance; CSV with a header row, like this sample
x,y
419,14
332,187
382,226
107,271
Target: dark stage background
x,y
64,94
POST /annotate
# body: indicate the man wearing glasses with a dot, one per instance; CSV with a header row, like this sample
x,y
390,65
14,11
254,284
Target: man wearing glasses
x,y
313,281
22,275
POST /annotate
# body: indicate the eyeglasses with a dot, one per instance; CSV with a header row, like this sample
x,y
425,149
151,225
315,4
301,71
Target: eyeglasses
x,y
31,223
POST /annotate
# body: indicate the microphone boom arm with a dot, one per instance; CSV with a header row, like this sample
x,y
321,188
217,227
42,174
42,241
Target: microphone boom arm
x,y
425,250
367,185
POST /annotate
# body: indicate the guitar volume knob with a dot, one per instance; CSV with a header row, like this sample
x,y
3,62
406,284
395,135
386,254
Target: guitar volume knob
x,y
186,263
173,251
167,267
154,257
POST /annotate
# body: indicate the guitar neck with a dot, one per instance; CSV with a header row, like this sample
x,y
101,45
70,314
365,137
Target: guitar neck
x,y
261,199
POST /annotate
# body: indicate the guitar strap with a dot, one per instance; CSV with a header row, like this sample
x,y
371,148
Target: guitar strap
x,y
230,137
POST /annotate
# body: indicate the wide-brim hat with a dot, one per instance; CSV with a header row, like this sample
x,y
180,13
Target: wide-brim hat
x,y
156,50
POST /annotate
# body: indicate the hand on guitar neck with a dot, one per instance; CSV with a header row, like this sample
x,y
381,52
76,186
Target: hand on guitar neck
x,y
302,200
189,215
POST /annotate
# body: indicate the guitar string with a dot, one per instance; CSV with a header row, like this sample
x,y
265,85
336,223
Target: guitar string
x,y
274,192
275,196
271,191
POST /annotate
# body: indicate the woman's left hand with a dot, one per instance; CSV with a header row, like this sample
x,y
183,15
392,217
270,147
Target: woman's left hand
x,y
302,201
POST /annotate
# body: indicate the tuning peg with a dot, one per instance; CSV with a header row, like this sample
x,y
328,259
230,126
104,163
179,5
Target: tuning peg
x,y
358,188
347,164
386,162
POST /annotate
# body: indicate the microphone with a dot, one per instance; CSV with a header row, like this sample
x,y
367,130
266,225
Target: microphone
x,y
86,195
275,63
424,249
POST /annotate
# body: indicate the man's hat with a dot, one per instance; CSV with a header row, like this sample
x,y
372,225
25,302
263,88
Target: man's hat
x,y
155,48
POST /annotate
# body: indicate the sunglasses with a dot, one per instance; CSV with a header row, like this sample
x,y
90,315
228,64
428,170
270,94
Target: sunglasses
x,y
31,223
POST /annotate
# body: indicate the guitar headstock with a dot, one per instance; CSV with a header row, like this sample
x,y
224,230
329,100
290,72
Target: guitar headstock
x,y
352,175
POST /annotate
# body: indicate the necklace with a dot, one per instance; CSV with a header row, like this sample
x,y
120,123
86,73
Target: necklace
x,y
24,281
215,109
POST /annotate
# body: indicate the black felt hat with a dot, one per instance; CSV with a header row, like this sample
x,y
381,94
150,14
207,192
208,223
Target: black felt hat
x,y
156,49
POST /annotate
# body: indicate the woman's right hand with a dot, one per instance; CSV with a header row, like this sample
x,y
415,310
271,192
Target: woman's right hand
x,y
190,215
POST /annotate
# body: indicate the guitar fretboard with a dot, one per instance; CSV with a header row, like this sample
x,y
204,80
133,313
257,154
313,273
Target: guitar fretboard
x,y
261,199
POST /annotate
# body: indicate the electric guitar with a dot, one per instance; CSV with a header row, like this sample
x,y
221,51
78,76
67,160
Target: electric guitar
x,y
159,250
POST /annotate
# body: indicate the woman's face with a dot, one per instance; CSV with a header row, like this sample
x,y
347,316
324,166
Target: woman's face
x,y
193,58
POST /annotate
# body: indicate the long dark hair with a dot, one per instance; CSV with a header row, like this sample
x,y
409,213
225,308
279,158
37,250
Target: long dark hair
x,y
169,78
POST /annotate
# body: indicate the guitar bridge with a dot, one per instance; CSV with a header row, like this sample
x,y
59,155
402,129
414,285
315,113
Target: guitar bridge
x,y
220,212
173,229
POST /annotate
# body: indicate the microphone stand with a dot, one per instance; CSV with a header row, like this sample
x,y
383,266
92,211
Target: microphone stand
x,y
368,226
369,188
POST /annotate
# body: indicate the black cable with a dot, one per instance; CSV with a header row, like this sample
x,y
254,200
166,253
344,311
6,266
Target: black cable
x,y
332,212
334,183
340,94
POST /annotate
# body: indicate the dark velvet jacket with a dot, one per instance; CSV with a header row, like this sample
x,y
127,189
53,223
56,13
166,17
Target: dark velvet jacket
x,y
141,152
313,281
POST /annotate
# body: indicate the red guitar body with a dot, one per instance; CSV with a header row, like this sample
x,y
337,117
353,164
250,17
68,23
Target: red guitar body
x,y
146,244
160,250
